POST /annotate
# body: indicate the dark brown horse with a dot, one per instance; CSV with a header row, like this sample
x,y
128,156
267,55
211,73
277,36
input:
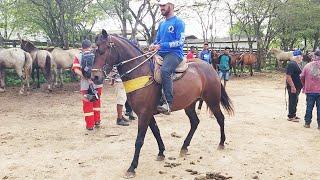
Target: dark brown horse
x,y
206,85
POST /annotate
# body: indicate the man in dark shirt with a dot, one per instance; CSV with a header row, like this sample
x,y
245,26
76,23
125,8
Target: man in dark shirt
x,y
294,84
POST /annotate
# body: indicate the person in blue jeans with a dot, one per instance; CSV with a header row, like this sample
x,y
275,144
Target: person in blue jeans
x,y
310,78
224,64
169,43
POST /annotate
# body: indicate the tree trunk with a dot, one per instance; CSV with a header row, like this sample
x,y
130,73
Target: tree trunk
x,y
316,40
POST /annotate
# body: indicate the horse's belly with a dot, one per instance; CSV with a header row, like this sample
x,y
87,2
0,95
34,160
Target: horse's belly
x,y
187,89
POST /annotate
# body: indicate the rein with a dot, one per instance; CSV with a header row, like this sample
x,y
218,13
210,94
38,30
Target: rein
x,y
129,71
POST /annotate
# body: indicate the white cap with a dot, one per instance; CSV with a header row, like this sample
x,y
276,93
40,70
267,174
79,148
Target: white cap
x,y
164,2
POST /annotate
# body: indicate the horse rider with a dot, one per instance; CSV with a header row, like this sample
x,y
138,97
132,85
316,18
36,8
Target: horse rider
x,y
82,66
169,43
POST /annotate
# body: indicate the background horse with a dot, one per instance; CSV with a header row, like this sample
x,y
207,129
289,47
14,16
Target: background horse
x,y
19,60
64,60
215,59
43,60
235,58
205,85
248,59
281,56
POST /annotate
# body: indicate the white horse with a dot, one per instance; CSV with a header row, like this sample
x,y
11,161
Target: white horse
x,y
18,59
281,56
64,60
42,59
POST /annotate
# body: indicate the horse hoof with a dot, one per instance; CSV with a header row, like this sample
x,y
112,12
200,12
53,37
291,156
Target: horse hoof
x,y
220,147
160,158
2,90
183,152
130,175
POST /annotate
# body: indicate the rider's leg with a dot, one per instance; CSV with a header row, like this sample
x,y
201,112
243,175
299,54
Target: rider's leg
x,y
170,63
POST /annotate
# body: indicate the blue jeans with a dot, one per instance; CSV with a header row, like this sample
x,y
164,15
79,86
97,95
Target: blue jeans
x,y
312,98
170,63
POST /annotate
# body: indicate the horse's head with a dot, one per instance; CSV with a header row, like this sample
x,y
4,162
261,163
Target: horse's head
x,y
27,46
104,56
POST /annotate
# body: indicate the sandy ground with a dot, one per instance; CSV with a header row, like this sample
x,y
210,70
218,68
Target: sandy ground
x,y
42,136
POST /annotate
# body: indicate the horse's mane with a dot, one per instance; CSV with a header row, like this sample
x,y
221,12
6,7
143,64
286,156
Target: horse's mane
x,y
129,42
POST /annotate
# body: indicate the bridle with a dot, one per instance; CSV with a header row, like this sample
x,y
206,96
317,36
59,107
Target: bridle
x,y
107,68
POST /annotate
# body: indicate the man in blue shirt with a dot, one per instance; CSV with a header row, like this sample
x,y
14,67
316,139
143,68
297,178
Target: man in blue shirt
x,y
224,65
169,43
205,54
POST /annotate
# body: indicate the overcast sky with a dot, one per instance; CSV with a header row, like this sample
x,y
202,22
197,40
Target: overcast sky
x,y
192,24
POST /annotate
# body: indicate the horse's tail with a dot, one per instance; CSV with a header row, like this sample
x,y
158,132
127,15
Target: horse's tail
x,y
226,101
27,64
48,65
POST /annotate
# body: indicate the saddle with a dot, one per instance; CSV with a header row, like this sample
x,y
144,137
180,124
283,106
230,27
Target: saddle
x,y
180,70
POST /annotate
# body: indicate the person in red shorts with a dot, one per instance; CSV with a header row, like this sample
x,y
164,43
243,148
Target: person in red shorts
x,y
82,66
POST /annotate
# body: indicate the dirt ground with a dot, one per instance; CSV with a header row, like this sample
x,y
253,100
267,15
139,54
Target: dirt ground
x,y
43,136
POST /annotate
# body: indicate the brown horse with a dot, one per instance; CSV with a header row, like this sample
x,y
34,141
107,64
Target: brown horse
x,y
235,58
43,60
112,50
248,59
215,59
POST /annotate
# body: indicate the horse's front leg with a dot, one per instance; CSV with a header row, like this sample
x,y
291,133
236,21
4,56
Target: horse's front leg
x,y
156,132
143,123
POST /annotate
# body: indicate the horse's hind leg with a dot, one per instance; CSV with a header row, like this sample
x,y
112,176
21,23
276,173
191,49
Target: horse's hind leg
x,y
194,121
2,79
60,76
23,79
220,119
251,72
156,132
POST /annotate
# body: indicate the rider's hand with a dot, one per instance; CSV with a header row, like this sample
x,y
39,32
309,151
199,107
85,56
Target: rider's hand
x,y
153,47
293,89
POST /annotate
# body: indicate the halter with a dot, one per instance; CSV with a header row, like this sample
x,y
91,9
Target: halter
x,y
107,67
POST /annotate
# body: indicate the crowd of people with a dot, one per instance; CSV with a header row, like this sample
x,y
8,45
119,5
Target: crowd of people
x,y
307,80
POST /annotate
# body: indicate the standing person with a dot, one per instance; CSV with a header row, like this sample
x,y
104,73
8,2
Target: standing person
x,y
224,64
191,54
169,43
129,111
310,78
205,54
293,84
121,98
82,66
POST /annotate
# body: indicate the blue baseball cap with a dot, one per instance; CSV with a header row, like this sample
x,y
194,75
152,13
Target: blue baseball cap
x,y
297,53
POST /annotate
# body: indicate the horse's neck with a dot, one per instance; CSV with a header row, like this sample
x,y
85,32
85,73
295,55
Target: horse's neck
x,y
143,70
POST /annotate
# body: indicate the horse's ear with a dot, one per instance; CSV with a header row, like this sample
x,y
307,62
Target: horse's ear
x,y
104,33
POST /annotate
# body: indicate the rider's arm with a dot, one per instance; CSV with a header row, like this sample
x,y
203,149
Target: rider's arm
x,y
179,39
